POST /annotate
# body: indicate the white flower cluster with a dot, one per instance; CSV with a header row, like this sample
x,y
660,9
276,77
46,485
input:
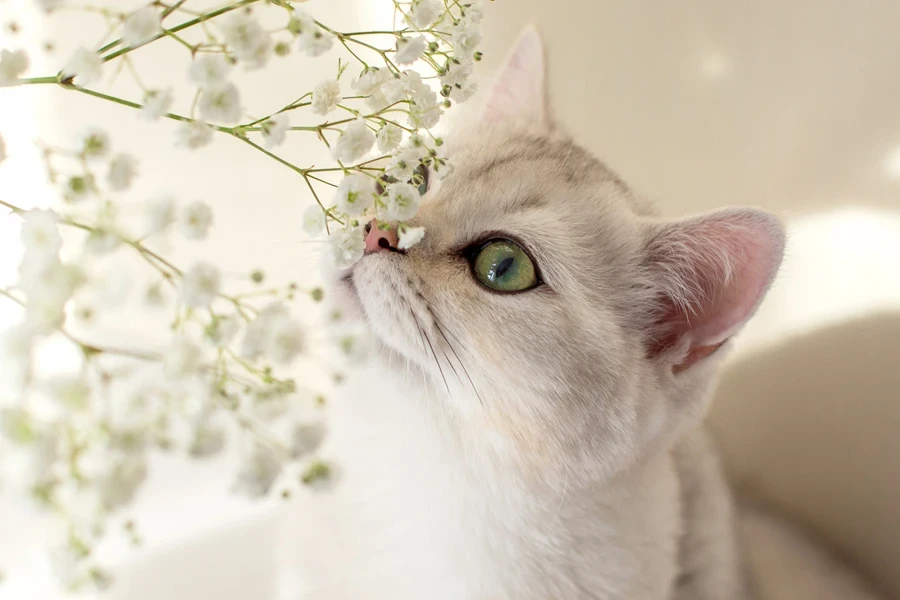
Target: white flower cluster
x,y
77,443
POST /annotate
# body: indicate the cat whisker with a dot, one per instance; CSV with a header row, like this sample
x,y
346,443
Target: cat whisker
x,y
436,361
431,347
456,354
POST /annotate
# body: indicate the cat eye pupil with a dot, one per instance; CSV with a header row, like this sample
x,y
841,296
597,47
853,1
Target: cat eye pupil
x,y
504,266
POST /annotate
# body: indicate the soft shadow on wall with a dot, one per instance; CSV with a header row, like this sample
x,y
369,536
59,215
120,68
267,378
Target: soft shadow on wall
x,y
791,416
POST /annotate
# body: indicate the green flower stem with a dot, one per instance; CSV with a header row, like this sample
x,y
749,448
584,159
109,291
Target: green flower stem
x,y
171,8
86,348
343,38
15,209
186,25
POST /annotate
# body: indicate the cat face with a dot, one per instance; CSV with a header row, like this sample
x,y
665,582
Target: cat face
x,y
557,322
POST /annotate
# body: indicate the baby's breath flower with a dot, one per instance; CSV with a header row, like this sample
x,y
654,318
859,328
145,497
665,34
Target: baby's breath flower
x,y
313,40
410,236
40,235
355,194
94,143
193,135
313,220
122,171
78,187
326,97
86,66
13,63
370,81
403,163
209,70
307,438
261,467
221,103
347,247
206,440
274,129
388,137
160,214
182,358
409,50
222,331
286,342
141,26
154,297
425,113
465,37
101,241
423,13
157,103
201,285
355,141
196,221
260,331
248,40
49,5
401,202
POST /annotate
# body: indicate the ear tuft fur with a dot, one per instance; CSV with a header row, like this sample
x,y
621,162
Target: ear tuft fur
x,y
710,273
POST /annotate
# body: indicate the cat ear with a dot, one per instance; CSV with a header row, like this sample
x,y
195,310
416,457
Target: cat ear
x,y
710,274
519,92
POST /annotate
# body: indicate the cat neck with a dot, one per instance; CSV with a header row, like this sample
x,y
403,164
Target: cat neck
x,y
435,498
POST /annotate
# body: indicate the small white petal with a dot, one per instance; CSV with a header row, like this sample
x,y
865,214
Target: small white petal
x,y
246,38
13,65
313,220
347,247
182,358
196,221
355,141
160,214
425,12
402,202
274,129
410,236
193,135
122,171
409,50
313,40
94,143
156,104
200,285
220,103
209,70
326,96
389,137
86,66
141,26
355,194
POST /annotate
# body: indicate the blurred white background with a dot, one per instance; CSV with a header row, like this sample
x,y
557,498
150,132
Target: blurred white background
x,y
789,106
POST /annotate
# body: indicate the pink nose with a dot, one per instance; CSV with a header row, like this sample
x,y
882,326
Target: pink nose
x,y
377,239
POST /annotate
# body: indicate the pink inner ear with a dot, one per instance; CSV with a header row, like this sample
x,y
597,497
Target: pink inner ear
x,y
519,89
715,272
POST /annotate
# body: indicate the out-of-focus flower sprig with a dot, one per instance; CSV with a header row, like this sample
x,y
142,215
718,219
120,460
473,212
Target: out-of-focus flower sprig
x,y
78,443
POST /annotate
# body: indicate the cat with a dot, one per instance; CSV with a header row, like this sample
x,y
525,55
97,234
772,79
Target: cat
x,y
529,425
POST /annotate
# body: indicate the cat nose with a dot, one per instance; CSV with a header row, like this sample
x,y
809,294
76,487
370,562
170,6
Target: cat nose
x,y
378,240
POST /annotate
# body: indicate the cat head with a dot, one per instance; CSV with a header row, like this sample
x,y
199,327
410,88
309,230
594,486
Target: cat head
x,y
557,321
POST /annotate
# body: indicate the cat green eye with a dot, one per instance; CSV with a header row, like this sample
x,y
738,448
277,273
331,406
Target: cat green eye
x,y
502,265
